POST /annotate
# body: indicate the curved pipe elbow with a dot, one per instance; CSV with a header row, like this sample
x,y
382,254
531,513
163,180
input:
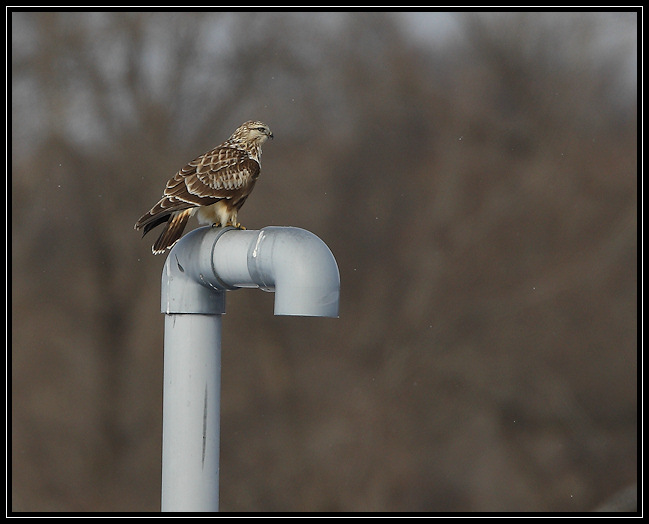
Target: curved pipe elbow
x,y
294,263
299,268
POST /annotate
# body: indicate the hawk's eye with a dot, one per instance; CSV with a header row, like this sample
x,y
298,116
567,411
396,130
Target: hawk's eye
x,y
262,129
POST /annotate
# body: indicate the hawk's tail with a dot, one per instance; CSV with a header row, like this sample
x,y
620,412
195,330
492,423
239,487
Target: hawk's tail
x,y
172,232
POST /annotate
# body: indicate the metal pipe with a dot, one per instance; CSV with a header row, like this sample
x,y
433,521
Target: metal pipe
x,y
293,263
191,413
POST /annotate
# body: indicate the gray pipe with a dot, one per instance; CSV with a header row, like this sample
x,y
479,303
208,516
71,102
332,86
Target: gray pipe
x,y
292,262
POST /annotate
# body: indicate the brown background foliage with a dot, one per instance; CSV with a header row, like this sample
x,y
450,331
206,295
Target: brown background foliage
x,y
479,192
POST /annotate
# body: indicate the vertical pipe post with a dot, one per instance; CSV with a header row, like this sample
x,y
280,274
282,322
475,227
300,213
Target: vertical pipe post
x,y
206,262
191,410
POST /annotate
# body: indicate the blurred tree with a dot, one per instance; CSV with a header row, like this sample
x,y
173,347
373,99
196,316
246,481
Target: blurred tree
x,y
479,196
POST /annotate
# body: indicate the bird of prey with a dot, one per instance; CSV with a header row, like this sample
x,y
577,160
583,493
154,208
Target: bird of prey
x,y
214,186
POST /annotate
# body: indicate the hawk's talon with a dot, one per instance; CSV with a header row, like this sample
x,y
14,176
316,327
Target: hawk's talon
x,y
229,224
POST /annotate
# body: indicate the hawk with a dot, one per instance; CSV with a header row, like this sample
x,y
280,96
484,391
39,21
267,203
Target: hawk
x,y
214,186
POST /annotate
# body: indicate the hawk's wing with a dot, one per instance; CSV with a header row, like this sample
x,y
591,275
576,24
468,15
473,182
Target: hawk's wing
x,y
223,172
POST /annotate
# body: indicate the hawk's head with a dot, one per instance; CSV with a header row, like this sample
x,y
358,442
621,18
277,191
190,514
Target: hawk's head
x,y
253,132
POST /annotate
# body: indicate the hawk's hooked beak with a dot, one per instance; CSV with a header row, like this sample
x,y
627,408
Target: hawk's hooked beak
x,y
270,134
